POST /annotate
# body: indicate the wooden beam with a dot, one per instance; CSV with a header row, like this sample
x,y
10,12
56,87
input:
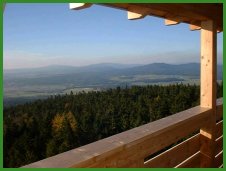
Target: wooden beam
x,y
173,19
78,6
180,152
194,27
191,162
219,145
208,91
134,16
219,159
130,148
219,129
189,12
169,22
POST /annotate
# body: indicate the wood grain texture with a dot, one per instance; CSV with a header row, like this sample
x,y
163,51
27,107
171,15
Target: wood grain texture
x,y
219,145
219,129
189,12
129,148
169,22
194,27
191,162
208,91
219,159
175,155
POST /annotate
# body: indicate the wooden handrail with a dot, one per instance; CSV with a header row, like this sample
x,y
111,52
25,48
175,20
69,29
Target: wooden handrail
x,y
130,148
218,162
180,152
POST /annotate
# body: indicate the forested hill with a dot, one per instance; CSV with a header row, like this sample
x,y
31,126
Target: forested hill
x,y
43,128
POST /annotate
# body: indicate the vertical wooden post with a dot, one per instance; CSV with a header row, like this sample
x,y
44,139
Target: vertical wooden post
x,y
208,91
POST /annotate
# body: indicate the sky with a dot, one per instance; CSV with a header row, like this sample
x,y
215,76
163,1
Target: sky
x,y
36,35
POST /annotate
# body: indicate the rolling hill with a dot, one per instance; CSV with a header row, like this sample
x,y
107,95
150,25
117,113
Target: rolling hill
x,y
58,79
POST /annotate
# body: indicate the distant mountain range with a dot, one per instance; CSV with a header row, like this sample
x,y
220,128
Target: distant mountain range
x,y
64,69
22,85
111,69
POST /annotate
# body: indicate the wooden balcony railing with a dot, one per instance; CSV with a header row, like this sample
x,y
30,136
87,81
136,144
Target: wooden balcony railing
x,y
173,141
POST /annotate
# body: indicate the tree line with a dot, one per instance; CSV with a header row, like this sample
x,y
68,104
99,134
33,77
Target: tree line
x,y
40,129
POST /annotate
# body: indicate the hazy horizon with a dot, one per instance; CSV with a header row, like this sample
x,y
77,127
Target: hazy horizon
x,y
39,35
134,64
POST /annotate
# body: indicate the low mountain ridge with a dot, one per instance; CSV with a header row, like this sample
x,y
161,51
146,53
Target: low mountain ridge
x,y
111,69
42,82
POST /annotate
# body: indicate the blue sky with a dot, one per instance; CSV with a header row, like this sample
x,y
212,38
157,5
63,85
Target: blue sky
x,y
38,35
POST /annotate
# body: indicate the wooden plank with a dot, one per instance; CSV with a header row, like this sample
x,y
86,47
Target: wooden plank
x,y
191,162
219,145
219,129
197,11
190,12
208,91
179,152
221,166
125,160
173,20
194,27
134,16
208,65
123,149
135,150
78,6
219,159
169,22
219,113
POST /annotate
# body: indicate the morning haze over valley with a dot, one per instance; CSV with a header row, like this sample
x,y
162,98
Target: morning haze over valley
x,y
97,82
24,85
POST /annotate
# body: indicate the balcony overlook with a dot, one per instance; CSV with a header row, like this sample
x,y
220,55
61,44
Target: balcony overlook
x,y
192,138
173,141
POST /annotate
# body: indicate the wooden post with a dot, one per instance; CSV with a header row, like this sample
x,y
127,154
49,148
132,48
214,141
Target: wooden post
x,y
134,16
208,91
194,27
169,22
78,6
